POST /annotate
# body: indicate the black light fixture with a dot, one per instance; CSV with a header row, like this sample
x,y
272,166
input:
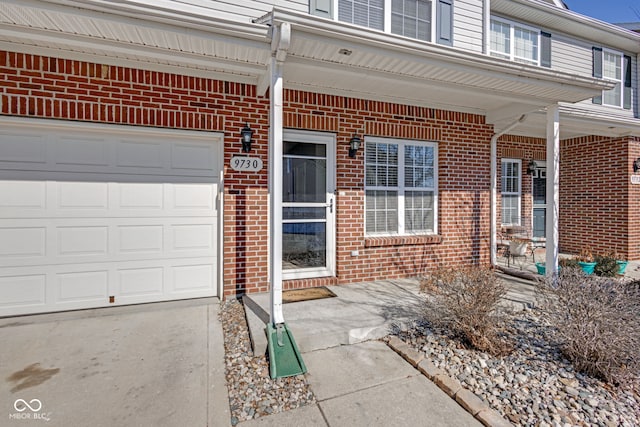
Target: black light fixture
x,y
246,133
531,167
354,145
636,165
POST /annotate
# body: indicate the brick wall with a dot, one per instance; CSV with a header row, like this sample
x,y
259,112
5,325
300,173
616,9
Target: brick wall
x,y
598,205
44,87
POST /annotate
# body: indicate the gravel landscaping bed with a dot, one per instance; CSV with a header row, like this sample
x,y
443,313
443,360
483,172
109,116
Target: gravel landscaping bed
x,y
535,385
252,392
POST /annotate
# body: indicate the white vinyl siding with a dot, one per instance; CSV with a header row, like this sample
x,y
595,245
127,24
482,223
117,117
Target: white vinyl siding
x,y
400,187
514,41
571,55
511,191
468,21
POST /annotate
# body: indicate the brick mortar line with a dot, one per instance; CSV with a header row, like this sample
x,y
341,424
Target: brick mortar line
x,y
465,398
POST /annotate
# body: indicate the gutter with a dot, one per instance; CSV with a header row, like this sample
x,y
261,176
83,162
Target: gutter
x,y
493,238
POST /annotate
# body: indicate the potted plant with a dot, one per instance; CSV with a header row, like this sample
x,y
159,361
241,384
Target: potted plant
x,y
586,261
621,262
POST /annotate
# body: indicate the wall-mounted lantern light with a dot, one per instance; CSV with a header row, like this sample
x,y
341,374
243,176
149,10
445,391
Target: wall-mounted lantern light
x,y
531,167
636,165
246,133
354,145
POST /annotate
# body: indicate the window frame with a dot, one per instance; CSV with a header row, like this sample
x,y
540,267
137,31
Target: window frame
x,y
401,188
503,193
434,24
619,81
511,56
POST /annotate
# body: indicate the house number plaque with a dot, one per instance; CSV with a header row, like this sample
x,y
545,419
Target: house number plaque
x,y
246,164
635,179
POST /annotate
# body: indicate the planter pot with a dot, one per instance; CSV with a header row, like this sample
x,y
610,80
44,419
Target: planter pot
x,y
587,267
517,248
542,270
622,266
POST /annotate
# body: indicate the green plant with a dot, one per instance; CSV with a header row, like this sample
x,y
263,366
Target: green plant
x,y
596,321
606,265
465,302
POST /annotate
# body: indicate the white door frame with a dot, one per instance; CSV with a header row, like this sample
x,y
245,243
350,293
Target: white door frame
x,y
329,139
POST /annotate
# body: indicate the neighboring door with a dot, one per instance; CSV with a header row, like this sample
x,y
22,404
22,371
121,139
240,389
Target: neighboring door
x,y
99,215
539,201
308,205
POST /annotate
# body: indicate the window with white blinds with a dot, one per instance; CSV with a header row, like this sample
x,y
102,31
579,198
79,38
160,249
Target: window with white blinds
x,y
612,70
514,41
400,187
409,18
368,13
511,178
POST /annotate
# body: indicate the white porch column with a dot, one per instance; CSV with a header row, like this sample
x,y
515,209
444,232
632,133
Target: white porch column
x,y
553,187
280,44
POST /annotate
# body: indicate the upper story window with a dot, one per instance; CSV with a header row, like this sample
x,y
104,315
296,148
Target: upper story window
x,y
616,67
514,41
428,20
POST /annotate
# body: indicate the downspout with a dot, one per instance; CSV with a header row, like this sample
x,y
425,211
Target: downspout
x,y
279,46
493,239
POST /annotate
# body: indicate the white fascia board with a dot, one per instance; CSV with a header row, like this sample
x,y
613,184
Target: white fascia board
x,y
446,55
604,118
160,13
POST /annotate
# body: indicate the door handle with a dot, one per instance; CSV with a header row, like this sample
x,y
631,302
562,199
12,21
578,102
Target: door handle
x,y
330,205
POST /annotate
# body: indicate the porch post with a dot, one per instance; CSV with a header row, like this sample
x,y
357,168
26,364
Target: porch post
x,y
553,186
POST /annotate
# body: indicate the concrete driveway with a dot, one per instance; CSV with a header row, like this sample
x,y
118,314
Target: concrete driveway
x,y
147,365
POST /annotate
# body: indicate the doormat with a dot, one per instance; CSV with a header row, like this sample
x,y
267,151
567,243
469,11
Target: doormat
x,y
297,295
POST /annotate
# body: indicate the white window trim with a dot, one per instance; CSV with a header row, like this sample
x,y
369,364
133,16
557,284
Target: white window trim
x,y
401,189
519,193
387,20
621,80
512,25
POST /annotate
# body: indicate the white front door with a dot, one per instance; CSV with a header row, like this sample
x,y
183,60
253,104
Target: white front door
x,y
99,215
308,205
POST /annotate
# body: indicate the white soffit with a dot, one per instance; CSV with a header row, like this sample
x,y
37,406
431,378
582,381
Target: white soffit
x,y
43,28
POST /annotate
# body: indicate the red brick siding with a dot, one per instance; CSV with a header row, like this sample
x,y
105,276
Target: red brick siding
x,y
634,202
596,207
44,87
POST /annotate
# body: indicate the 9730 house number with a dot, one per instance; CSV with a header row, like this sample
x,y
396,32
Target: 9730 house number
x,y
246,164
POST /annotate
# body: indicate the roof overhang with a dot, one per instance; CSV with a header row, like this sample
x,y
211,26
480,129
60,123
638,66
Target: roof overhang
x,y
383,66
380,66
125,34
555,18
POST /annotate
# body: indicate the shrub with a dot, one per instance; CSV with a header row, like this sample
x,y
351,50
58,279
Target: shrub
x,y
465,302
569,263
606,266
596,322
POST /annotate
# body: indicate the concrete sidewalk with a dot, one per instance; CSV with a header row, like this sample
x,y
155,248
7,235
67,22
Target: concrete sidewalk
x,y
368,384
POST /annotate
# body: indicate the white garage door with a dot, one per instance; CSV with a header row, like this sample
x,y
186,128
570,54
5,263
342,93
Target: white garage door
x,y
94,216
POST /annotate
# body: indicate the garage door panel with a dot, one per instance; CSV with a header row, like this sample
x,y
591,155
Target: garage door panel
x,y
85,286
90,213
22,293
19,148
20,242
